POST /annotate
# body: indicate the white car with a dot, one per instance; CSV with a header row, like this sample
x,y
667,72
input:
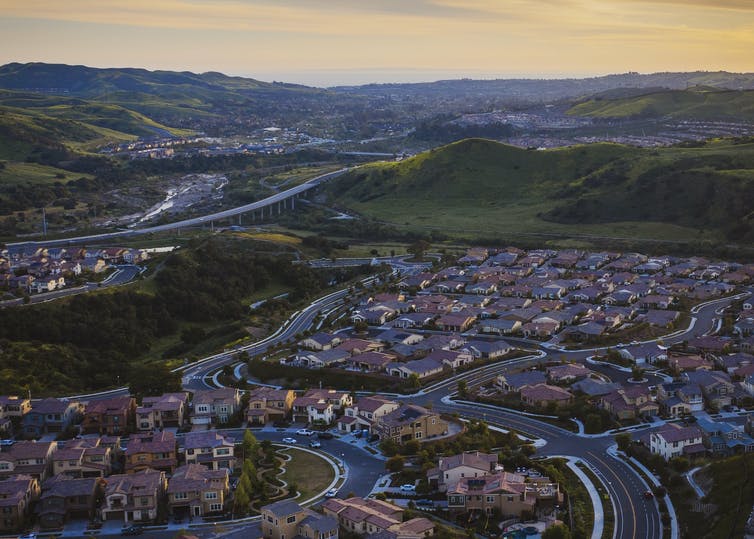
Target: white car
x,y
331,493
315,444
304,432
289,440
408,488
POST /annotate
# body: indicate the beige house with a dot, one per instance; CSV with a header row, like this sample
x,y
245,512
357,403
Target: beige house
x,y
286,519
29,458
267,404
14,406
367,516
365,412
194,490
215,406
450,470
17,493
211,449
410,422
134,497
82,458
167,410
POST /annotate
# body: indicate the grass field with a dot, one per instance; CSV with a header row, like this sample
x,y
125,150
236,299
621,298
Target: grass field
x,y
14,173
310,473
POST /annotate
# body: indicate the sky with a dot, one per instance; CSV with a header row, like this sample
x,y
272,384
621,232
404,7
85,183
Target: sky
x,y
330,42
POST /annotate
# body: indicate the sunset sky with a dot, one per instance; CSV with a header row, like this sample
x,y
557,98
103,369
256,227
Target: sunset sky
x,y
326,42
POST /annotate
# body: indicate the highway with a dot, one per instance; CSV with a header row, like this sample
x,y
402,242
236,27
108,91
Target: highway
x,y
270,201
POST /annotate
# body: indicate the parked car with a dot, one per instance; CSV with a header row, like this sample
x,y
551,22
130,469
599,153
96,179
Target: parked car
x,y
315,444
331,493
408,488
648,495
289,440
425,505
132,530
304,432
31,535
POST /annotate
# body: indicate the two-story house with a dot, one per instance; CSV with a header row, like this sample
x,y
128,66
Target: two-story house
x,y
14,406
17,494
366,516
195,490
215,406
267,404
134,497
82,458
210,448
286,519
28,458
364,413
452,469
109,416
167,410
502,492
51,416
153,450
64,497
673,440
410,422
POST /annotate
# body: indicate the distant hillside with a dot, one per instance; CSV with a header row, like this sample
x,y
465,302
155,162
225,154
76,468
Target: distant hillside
x,y
699,103
481,188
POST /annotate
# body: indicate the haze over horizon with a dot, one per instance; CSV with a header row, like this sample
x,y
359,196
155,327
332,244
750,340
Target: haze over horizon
x,y
331,42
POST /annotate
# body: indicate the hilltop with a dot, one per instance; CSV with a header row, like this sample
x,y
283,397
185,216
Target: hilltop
x,y
698,103
480,188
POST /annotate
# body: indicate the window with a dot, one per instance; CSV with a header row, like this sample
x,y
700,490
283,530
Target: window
x,y
144,501
180,496
210,495
291,519
269,518
418,435
490,499
215,507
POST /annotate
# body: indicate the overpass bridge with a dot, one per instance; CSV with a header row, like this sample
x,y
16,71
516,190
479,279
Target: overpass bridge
x,y
267,206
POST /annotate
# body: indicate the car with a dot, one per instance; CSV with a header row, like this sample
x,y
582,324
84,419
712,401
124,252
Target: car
x,y
648,495
7,443
289,440
408,488
315,444
304,432
30,535
331,493
425,505
132,530
325,436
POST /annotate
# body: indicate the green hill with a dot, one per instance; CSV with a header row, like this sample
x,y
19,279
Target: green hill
x,y
698,103
480,188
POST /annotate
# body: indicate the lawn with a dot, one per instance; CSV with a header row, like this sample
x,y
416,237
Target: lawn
x,y
15,173
310,473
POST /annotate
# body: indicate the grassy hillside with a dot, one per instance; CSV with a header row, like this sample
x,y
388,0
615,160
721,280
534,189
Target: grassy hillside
x,y
480,188
699,103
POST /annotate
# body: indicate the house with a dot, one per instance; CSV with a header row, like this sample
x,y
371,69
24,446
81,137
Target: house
x,y
134,497
51,416
594,387
689,363
679,399
375,316
365,412
452,469
393,336
724,439
413,320
513,383
360,346
109,416
410,422
17,494
286,520
370,361
489,349
215,406
166,410
320,341
716,386
503,493
543,395
499,326
64,497
451,358
454,322
28,458
423,368
313,409
210,448
14,406
672,440
570,372
326,358
369,516
629,403
267,404
195,490
82,458
153,450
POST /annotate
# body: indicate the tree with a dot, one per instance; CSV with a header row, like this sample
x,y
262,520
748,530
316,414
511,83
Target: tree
x,y
418,248
623,440
249,445
463,389
395,464
637,373
414,381
559,531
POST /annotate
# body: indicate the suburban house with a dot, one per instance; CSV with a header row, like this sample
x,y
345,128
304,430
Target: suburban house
x,y
543,395
452,469
325,358
672,440
499,326
267,404
134,497
320,341
513,383
215,405
364,413
423,368
570,372
724,439
451,358
501,492
455,322
313,410
50,416
64,497
167,410
489,349
196,491
153,450
679,399
370,516
14,406
17,494
109,416
82,458
286,520
629,403
28,458
210,448
410,422
370,361
716,386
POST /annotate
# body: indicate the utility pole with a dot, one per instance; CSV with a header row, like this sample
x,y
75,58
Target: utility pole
x,y
44,223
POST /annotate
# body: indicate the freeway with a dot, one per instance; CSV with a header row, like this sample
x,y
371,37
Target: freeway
x,y
270,201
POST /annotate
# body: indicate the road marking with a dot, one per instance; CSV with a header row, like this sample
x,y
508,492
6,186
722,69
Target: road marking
x,y
623,486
